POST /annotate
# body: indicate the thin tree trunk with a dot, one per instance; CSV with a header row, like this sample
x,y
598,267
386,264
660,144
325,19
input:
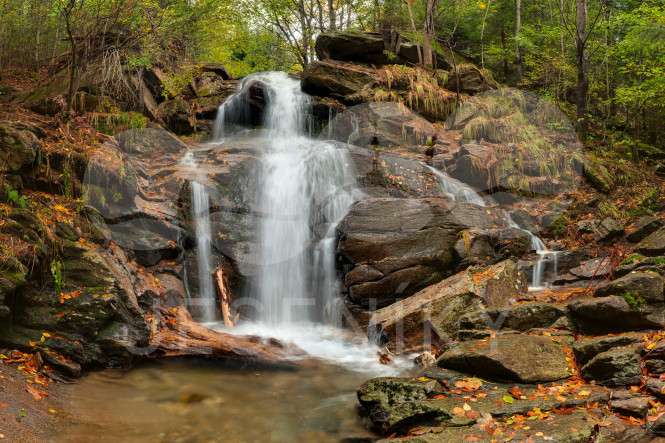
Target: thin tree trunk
x,y
56,41
504,49
518,30
582,82
415,33
482,36
331,14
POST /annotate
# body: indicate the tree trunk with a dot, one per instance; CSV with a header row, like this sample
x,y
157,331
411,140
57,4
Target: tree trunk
x,y
518,30
428,32
582,82
331,13
415,33
482,37
504,49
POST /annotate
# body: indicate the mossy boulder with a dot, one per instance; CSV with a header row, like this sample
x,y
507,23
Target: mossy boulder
x,y
178,116
469,79
17,148
616,367
598,176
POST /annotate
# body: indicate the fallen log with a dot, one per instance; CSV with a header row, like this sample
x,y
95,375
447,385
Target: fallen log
x,y
178,334
224,299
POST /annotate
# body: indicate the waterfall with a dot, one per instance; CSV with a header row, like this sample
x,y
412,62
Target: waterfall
x,y
456,190
205,305
305,188
459,192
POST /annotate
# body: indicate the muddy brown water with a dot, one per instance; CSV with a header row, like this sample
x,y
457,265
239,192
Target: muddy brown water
x,y
206,401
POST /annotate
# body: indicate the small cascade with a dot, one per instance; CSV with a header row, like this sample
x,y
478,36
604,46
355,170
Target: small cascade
x,y
459,192
456,190
232,113
330,120
205,304
305,188
545,256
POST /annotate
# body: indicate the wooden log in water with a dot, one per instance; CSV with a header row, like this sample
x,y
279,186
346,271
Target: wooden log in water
x,y
224,299
178,334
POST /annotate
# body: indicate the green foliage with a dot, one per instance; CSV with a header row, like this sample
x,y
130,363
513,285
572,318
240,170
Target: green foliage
x,y
56,272
116,121
633,299
15,198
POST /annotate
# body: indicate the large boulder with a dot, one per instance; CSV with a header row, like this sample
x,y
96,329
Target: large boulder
x,y
643,227
522,358
587,348
654,244
17,148
365,47
391,248
373,48
505,147
433,314
521,317
604,315
645,285
95,319
608,230
616,367
469,79
382,126
346,82
444,406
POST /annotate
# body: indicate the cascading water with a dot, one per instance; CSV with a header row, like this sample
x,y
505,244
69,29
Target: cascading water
x,y
305,188
456,190
204,305
459,192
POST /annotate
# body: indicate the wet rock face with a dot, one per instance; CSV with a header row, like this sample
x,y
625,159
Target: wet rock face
x,y
382,126
410,242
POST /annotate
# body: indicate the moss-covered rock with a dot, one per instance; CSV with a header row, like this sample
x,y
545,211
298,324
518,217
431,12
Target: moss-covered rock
x,y
598,176
17,148
616,367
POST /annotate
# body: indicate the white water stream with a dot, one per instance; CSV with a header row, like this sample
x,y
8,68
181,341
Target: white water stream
x,y
205,304
305,188
459,192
